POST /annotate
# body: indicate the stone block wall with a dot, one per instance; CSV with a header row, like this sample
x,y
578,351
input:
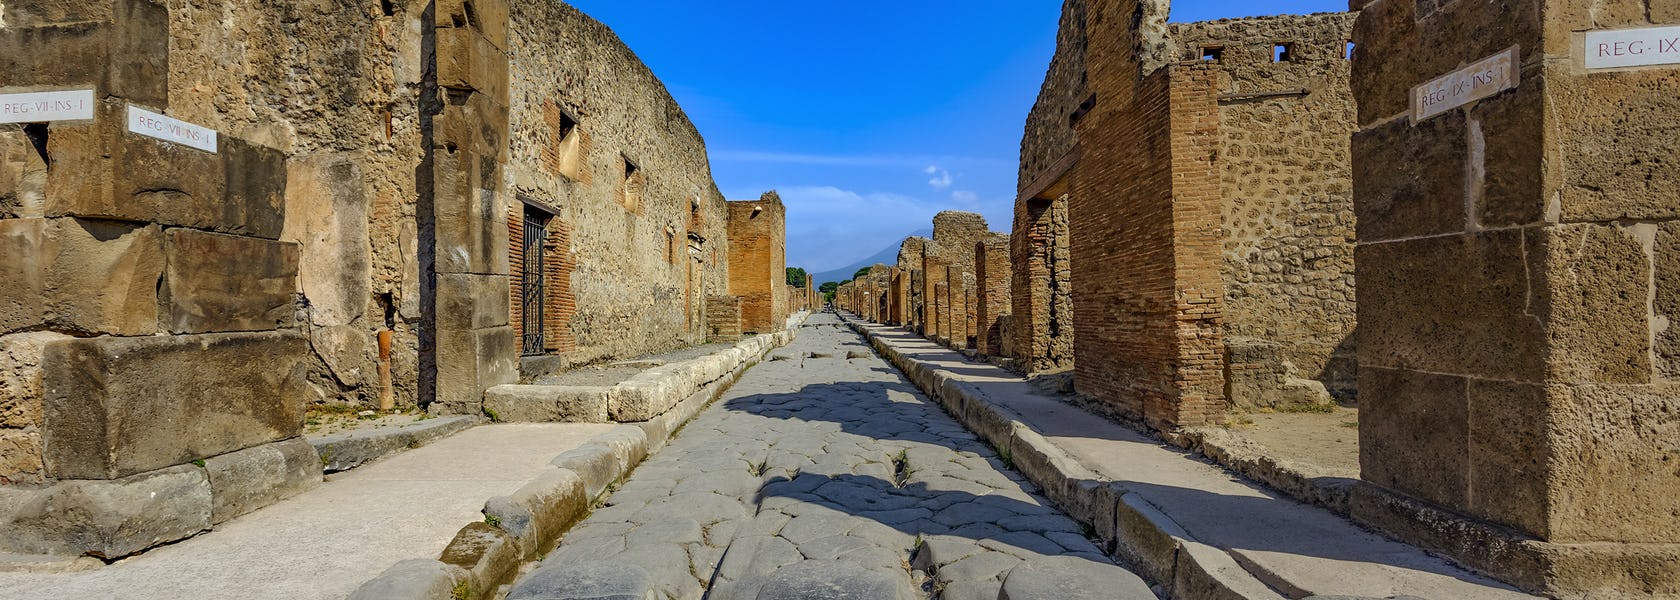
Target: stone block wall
x,y
1287,200
151,316
757,233
992,302
1517,265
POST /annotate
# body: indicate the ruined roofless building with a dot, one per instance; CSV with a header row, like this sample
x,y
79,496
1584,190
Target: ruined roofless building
x,y
453,194
1215,266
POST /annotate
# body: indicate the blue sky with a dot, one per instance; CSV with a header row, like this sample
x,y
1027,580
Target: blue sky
x,y
868,117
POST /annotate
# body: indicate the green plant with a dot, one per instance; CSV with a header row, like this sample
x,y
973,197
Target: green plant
x,y
1008,461
199,463
495,418
492,520
461,591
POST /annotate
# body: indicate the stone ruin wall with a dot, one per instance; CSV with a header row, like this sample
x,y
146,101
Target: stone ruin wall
x,y
1041,281
910,256
1287,198
362,191
640,279
954,236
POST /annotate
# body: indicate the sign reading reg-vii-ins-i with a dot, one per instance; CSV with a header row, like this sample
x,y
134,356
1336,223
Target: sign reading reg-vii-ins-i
x,y
42,107
1485,78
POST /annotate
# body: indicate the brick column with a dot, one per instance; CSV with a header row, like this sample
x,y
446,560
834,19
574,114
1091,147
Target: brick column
x,y
992,306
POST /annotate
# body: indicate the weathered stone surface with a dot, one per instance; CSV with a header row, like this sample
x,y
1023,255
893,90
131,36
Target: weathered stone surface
x,y
1397,198
537,513
640,400
1072,577
81,275
100,171
488,555
597,465
1666,321
1450,305
585,581
470,362
221,283
1594,295
471,223
416,579
345,451
109,519
464,301
828,579
546,404
20,406
1413,432
327,216
119,406
249,479
121,48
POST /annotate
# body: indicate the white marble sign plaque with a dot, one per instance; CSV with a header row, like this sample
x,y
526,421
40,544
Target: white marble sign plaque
x,y
1632,47
151,124
41,107
1487,77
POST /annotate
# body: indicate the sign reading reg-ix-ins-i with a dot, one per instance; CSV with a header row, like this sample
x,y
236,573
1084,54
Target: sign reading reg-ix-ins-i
x,y
1484,78
1617,48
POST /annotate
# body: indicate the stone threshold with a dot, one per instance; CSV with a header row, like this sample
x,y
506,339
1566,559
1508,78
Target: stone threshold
x,y
1194,530
520,528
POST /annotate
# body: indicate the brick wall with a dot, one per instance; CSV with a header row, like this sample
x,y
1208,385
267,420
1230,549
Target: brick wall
x,y
723,317
993,302
757,262
1144,211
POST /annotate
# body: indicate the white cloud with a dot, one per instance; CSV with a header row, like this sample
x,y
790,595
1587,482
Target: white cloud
x,y
941,177
964,197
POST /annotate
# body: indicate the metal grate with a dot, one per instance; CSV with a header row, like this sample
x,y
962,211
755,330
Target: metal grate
x,y
531,289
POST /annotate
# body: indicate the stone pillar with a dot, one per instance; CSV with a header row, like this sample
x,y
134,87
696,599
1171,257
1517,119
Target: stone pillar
x,y
1519,274
1040,288
472,346
993,301
758,261
933,275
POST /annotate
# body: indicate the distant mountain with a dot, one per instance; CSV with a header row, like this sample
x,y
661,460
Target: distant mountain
x,y
887,256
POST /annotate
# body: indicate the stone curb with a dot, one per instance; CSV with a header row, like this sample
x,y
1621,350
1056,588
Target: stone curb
x,y
645,397
1138,533
519,527
345,451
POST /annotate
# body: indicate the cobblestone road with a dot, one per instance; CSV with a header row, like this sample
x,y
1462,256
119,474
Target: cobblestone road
x,y
824,474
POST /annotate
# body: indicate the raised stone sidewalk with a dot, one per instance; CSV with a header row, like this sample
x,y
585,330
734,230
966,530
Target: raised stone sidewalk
x,y
1193,529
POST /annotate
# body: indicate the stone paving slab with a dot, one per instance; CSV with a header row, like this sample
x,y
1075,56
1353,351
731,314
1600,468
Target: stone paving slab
x,y
1191,515
326,542
822,471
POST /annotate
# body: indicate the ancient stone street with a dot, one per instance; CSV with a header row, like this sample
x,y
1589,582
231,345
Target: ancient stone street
x,y
824,473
